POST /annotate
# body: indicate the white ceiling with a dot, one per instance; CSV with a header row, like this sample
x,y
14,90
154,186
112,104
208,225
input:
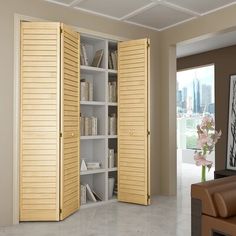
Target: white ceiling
x,y
214,42
153,14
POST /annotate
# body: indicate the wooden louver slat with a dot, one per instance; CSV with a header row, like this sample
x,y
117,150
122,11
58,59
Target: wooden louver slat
x,y
133,158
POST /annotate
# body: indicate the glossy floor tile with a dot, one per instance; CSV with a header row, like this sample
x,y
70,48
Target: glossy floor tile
x,y
167,216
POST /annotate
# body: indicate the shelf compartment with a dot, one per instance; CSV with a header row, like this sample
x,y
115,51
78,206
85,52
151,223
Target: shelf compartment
x,y
96,183
93,151
92,45
96,111
99,85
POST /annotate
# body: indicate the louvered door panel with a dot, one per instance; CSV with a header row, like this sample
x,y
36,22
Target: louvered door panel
x,y
69,122
133,165
40,79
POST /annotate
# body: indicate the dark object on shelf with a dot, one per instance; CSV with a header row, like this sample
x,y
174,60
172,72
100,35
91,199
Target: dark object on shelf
x,y
97,60
223,173
213,207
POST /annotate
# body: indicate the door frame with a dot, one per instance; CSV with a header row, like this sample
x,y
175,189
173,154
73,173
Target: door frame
x,y
16,100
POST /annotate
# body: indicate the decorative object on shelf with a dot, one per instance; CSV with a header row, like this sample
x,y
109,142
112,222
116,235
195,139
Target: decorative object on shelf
x,y
83,194
231,143
112,92
97,196
86,90
111,183
83,166
207,138
93,165
111,158
112,124
97,60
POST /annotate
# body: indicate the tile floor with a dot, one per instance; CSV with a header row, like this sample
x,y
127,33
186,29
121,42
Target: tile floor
x,y
167,216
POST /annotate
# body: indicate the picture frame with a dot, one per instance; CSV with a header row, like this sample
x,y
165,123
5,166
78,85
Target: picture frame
x,y
231,140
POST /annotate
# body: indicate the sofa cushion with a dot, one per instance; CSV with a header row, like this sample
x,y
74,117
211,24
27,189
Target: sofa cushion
x,y
204,192
225,202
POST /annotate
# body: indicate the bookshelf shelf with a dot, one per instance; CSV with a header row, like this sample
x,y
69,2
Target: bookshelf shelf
x,y
112,104
112,136
110,71
101,102
91,69
90,172
93,137
112,169
92,103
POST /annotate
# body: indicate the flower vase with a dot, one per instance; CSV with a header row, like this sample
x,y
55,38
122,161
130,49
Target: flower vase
x,y
203,178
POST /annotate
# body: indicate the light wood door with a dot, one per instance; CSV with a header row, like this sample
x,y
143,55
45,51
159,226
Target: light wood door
x,y
69,122
133,152
40,121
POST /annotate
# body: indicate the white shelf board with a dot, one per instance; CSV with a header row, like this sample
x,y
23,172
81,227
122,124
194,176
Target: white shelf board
x,y
110,71
93,137
91,69
112,136
92,103
90,172
112,169
112,103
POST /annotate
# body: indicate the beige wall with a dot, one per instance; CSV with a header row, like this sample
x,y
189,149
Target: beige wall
x,y
224,61
40,9
206,26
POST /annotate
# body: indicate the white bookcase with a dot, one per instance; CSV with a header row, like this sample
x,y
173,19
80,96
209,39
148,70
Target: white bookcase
x,y
95,148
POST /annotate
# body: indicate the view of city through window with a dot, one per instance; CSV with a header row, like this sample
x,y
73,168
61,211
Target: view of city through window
x,y
195,98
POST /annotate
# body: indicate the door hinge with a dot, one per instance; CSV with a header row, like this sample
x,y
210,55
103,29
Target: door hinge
x,y
148,197
148,44
60,135
61,30
60,211
148,132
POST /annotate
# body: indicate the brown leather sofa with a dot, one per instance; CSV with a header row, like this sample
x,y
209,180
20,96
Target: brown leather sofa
x,y
213,207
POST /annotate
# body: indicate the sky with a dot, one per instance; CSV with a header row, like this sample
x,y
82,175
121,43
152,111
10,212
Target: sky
x,y
205,75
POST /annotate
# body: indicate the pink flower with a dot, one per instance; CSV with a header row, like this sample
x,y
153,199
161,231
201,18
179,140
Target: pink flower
x,y
201,160
207,123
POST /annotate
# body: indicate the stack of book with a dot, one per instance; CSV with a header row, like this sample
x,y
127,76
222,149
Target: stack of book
x,y
86,90
83,55
89,165
88,194
112,60
88,126
112,92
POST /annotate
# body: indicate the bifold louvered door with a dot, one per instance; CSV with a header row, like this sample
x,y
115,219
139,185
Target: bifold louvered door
x,y
133,153
41,162
69,121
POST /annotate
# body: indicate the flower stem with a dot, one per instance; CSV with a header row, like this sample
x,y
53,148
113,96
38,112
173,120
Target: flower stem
x,y
203,174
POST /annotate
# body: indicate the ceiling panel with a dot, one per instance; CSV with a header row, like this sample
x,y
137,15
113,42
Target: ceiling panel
x,y
201,6
63,2
114,8
159,17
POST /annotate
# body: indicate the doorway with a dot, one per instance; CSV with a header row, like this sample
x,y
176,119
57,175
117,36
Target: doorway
x,y
195,99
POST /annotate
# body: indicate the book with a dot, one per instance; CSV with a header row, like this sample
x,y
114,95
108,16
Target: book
x,y
83,198
84,55
90,90
84,90
94,121
98,58
90,194
81,125
114,60
110,66
97,196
